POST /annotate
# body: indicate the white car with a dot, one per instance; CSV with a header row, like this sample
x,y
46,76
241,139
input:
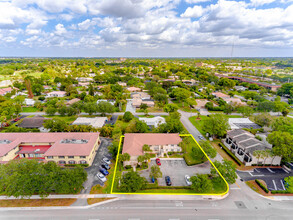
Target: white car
x,y
101,177
106,160
200,137
187,179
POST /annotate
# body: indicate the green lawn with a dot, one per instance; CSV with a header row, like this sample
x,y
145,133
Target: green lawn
x,y
184,106
30,109
68,119
198,123
192,157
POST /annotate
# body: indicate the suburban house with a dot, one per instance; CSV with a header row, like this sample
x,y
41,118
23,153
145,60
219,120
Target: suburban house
x,y
228,99
159,144
62,148
240,88
137,102
243,145
58,94
140,95
189,82
84,79
96,122
34,122
153,122
237,123
122,84
4,91
29,102
133,89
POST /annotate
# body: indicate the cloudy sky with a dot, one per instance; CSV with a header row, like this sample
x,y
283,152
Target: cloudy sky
x,y
146,28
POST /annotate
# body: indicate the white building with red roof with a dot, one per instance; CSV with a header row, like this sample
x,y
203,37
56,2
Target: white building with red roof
x,y
62,148
159,143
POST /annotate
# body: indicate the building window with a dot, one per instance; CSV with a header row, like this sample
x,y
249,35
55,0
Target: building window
x,y
62,162
82,157
50,157
61,157
70,157
71,162
38,155
83,162
31,155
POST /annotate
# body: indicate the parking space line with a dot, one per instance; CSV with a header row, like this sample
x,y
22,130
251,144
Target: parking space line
x,y
286,170
282,185
274,185
256,170
270,170
255,175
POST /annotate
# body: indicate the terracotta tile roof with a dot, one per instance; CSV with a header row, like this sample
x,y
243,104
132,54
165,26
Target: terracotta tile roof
x,y
220,95
57,148
133,142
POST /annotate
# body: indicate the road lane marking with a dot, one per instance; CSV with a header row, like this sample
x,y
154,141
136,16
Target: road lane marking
x,y
283,185
235,188
274,184
270,170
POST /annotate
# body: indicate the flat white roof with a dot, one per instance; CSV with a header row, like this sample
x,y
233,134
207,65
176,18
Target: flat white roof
x,y
96,122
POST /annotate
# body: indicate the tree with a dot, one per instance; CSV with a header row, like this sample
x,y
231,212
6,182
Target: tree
x,y
90,108
51,111
289,184
132,182
181,94
246,111
216,125
106,131
29,87
140,159
285,112
171,108
62,110
283,124
155,172
143,106
228,109
37,89
263,119
208,149
227,169
282,144
141,127
105,107
24,178
127,117
55,125
227,83
124,157
146,147
201,183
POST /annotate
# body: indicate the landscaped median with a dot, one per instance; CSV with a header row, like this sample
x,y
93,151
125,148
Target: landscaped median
x,y
204,182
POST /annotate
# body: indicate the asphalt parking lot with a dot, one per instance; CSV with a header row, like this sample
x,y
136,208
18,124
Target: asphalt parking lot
x,y
176,169
94,169
272,176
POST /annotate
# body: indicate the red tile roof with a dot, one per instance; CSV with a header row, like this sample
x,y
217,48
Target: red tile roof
x,y
30,149
57,148
133,142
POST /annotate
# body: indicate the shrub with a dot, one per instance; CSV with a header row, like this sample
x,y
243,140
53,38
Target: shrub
x,y
127,167
76,165
262,186
230,154
279,191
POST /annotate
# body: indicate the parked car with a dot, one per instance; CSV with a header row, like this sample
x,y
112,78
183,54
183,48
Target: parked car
x,y
153,179
106,160
187,179
158,161
17,119
106,166
101,177
104,171
200,137
168,181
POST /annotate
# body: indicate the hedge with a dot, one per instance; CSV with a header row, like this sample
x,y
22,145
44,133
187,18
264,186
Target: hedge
x,y
279,191
230,154
262,186
76,165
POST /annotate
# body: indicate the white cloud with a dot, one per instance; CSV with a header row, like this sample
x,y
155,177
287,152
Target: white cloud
x,y
60,29
261,2
85,24
196,1
195,12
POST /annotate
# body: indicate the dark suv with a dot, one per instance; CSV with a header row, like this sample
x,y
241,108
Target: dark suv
x,y
168,181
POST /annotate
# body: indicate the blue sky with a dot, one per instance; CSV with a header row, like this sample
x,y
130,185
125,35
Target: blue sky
x,y
146,28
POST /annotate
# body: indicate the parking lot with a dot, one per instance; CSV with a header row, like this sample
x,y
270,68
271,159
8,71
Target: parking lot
x,y
176,169
94,169
272,176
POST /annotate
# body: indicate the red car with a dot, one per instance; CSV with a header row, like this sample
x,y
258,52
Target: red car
x,y
158,161
17,119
